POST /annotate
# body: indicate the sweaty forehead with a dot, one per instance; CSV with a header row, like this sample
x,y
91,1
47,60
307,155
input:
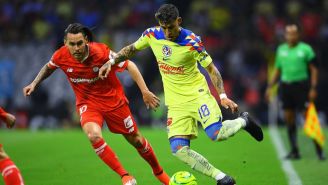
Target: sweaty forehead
x,y
72,37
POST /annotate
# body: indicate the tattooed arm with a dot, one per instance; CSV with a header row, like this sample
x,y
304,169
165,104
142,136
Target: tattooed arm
x,y
217,81
122,55
44,73
216,78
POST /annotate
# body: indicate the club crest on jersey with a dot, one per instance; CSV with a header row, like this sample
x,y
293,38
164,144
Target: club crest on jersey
x,y
167,51
95,69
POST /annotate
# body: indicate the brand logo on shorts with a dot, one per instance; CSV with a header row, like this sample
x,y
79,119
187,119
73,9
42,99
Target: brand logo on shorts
x,y
169,121
128,122
69,70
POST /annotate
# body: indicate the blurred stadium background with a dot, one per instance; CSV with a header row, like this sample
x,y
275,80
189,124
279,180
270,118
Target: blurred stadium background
x,y
240,35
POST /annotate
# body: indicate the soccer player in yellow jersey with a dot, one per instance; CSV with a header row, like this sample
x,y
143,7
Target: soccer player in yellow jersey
x,y
187,95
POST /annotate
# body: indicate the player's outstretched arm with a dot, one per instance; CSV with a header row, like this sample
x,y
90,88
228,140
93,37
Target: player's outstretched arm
x,y
217,81
149,98
44,73
124,54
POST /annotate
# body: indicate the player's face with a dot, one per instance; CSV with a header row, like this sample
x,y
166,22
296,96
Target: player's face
x,y
76,43
171,29
291,34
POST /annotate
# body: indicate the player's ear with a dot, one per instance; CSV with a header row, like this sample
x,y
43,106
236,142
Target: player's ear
x,y
179,19
86,39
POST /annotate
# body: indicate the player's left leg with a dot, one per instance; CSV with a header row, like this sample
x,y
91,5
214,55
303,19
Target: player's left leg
x,y
9,170
180,147
147,153
8,118
209,115
121,121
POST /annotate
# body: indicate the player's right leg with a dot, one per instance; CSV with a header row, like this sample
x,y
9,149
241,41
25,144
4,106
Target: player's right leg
x,y
91,121
9,170
147,153
8,118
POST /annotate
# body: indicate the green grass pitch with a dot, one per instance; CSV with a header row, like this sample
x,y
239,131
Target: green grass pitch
x,y
66,158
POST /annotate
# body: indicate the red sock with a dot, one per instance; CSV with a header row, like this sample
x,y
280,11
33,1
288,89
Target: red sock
x,y
146,152
109,157
10,172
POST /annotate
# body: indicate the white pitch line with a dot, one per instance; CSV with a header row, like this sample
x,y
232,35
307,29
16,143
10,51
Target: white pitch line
x,y
292,176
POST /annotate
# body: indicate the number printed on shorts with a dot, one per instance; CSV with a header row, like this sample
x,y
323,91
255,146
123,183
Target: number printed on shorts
x,y
203,111
83,109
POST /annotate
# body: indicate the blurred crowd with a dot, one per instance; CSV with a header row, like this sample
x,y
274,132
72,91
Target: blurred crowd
x,y
241,37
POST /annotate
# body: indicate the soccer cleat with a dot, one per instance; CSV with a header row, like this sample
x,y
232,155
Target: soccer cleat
x,y
293,155
252,127
128,180
9,119
227,180
163,177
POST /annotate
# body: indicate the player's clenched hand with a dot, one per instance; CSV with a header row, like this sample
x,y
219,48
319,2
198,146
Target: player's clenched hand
x,y
27,91
150,99
227,103
104,70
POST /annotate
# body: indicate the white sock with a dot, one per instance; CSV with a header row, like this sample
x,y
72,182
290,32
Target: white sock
x,y
220,176
243,122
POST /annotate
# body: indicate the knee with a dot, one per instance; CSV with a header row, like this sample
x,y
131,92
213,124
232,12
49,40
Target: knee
x,y
183,154
94,137
93,132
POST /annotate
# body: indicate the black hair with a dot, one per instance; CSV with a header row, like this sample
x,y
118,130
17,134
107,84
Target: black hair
x,y
167,13
75,28
297,24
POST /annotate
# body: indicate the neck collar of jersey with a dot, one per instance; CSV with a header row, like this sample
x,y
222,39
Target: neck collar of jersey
x,y
87,55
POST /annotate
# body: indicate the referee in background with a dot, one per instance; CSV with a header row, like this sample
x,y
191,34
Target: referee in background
x,y
295,65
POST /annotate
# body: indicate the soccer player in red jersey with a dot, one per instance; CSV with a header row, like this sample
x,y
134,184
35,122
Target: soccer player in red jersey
x,y
97,100
8,169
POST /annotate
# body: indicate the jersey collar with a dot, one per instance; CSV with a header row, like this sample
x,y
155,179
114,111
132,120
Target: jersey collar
x,y
87,55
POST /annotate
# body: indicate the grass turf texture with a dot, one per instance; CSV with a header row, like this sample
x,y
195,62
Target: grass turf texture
x,y
67,158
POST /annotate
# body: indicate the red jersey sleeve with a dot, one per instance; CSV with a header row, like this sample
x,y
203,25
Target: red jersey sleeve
x,y
52,64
